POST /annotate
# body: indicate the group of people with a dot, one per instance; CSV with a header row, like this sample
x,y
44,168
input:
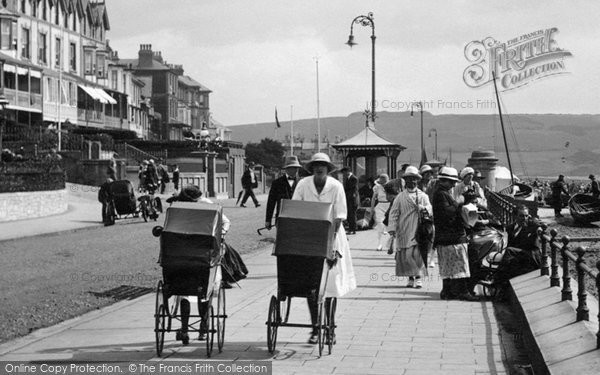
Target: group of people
x,y
153,177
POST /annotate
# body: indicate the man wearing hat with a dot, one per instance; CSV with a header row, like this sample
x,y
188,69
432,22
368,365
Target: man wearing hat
x,y
594,187
249,182
352,197
450,239
282,188
558,187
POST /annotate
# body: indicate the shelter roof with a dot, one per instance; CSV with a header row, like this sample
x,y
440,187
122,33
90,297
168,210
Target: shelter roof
x,y
368,138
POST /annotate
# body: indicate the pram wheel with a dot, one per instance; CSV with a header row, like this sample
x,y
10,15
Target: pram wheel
x,y
273,321
159,319
144,210
221,316
330,324
210,330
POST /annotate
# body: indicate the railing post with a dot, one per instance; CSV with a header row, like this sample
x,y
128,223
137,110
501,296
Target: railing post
x,y
554,279
583,313
598,290
566,293
545,270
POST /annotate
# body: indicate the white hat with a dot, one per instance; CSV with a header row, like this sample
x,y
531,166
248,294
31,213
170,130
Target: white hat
x,y
291,161
466,171
411,171
425,168
320,157
448,173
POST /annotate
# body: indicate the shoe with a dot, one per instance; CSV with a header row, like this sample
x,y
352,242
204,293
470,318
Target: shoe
x,y
313,339
447,295
431,265
242,205
411,283
379,248
467,297
201,336
328,340
418,284
257,205
226,285
183,337
486,283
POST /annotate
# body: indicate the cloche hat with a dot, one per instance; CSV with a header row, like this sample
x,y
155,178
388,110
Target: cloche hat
x,y
448,173
411,172
291,161
320,157
466,171
425,168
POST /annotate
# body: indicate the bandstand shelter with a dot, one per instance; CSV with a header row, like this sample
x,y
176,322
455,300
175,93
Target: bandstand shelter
x,y
371,145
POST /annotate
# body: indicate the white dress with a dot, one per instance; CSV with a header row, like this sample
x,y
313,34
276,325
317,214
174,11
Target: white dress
x,y
341,279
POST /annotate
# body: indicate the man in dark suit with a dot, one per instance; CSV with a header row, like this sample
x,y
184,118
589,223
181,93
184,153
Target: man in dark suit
x,y
282,188
352,197
249,182
523,253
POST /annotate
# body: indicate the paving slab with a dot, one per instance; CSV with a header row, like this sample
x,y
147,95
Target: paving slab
x,y
383,327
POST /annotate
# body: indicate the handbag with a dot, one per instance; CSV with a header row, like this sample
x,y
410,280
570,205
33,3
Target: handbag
x,y
424,235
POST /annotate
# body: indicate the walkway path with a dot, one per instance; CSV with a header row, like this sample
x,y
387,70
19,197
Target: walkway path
x,y
383,328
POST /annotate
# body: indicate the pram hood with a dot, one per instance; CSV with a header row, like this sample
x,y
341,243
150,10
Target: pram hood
x,y
192,218
122,188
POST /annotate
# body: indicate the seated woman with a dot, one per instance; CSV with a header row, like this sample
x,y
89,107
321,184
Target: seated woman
x,y
192,193
523,253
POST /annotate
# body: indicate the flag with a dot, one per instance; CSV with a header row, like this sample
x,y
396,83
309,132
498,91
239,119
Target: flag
x,y
276,119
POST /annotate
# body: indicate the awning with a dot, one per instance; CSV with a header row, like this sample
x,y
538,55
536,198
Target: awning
x,y
93,93
107,97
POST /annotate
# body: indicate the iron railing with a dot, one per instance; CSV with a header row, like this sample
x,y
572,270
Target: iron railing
x,y
551,243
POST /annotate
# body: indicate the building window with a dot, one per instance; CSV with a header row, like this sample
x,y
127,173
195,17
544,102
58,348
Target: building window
x,y
9,77
57,14
66,20
74,21
100,59
114,80
25,43
36,85
23,2
34,6
44,10
57,52
42,48
8,34
87,60
22,80
73,57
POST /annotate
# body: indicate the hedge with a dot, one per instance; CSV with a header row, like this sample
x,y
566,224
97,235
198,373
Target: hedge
x,y
31,175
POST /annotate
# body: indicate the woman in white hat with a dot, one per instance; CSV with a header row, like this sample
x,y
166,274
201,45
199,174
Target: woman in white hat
x,y
467,183
411,204
322,188
379,206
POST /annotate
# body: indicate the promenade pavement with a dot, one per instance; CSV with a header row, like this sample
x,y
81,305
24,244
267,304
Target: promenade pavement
x,y
383,328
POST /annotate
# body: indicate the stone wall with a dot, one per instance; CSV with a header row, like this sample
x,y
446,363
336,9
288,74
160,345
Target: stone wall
x,y
28,205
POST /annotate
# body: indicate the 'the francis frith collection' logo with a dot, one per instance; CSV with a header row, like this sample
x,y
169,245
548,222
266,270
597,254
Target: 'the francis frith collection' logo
x,y
515,63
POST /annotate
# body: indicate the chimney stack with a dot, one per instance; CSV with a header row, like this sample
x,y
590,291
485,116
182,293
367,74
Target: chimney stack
x,y
145,56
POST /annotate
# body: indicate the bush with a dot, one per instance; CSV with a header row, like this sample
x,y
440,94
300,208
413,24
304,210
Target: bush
x,y
31,175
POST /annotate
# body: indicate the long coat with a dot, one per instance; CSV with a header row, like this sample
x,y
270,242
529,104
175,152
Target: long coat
x,y
280,189
351,191
341,278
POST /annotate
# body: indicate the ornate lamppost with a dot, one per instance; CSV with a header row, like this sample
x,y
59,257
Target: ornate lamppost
x,y
420,105
366,21
434,130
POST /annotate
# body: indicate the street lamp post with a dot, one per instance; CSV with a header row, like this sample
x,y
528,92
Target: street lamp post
x,y
366,21
420,105
434,130
3,103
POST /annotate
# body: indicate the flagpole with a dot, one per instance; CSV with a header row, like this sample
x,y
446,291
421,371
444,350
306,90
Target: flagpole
x,y
318,110
292,130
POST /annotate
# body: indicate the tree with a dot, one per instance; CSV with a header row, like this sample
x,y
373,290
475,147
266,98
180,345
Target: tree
x,y
267,152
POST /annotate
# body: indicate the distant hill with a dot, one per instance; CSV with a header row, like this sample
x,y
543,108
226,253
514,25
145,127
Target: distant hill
x,y
548,143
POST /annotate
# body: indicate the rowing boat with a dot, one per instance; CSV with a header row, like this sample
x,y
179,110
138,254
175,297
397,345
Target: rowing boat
x,y
584,208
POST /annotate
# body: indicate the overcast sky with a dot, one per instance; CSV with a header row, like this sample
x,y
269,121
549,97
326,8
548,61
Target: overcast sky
x,y
255,55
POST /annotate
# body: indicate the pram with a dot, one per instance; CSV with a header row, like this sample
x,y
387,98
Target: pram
x,y
303,247
486,245
191,249
124,198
